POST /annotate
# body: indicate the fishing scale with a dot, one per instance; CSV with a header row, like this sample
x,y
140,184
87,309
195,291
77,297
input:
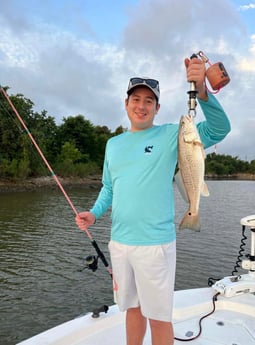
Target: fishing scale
x,y
216,74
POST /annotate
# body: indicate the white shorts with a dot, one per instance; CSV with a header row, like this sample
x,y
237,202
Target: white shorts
x,y
145,278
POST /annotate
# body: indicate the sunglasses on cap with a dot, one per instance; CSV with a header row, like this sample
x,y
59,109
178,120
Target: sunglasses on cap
x,y
153,84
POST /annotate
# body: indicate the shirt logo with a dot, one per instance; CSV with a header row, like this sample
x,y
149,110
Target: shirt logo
x,y
148,150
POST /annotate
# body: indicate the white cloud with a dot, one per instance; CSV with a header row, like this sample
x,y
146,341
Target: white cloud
x,y
247,63
68,74
247,7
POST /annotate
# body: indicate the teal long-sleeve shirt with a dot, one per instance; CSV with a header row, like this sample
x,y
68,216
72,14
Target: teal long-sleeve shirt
x,y
137,178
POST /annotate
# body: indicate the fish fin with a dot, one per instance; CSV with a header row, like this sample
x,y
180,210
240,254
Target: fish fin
x,y
179,182
190,221
204,190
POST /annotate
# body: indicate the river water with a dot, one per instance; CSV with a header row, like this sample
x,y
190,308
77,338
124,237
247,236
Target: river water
x,y
42,253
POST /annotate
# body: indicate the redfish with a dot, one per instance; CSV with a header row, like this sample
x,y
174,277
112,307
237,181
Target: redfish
x,y
190,177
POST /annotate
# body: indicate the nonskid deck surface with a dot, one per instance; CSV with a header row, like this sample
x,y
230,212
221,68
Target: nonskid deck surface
x,y
223,327
232,323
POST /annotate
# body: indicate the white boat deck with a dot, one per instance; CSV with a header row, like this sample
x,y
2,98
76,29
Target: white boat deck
x,y
232,323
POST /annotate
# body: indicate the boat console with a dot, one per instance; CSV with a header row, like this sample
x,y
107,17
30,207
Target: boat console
x,y
245,283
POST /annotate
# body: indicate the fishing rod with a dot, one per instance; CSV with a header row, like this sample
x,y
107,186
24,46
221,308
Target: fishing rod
x,y
91,261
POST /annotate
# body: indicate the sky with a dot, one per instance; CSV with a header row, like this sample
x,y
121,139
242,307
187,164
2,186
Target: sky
x,y
72,57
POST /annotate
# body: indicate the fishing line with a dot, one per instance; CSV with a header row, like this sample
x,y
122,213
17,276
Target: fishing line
x,y
93,242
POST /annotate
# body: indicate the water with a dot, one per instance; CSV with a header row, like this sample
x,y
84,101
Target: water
x,y
42,253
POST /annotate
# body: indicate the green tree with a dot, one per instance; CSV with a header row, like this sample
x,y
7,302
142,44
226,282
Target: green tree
x,y
102,134
252,167
120,130
69,153
18,155
226,165
79,131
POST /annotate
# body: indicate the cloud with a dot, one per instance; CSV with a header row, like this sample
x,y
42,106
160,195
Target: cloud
x,y
172,27
247,7
247,63
69,70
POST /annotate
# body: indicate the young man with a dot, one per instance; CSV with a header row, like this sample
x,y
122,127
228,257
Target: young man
x,y
137,183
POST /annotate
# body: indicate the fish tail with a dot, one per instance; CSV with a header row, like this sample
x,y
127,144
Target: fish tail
x,y
190,221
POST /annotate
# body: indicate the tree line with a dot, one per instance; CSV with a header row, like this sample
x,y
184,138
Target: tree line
x,y
75,148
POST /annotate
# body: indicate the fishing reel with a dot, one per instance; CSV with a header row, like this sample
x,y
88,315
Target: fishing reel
x,y
91,263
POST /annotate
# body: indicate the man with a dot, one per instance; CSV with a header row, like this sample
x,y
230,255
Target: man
x,y
137,183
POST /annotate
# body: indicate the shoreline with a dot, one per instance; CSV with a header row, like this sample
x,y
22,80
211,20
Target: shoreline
x,y
48,182
236,177
86,182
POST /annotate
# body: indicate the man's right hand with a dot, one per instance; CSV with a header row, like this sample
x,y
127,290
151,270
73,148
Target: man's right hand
x,y
84,220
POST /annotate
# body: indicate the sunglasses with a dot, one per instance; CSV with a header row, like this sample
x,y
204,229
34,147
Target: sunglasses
x,y
154,84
